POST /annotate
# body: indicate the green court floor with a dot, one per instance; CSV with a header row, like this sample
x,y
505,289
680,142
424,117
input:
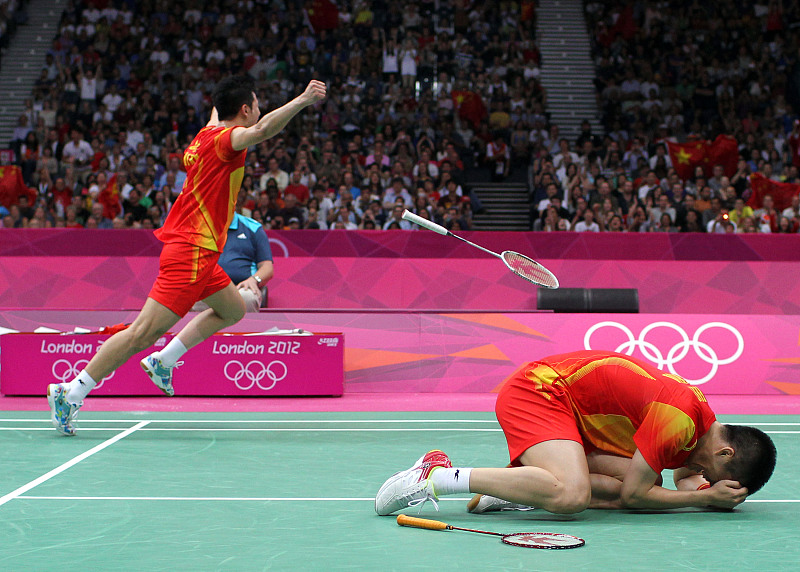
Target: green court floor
x,y
214,491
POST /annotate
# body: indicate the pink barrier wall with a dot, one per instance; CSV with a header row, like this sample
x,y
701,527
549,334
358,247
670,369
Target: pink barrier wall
x,y
424,244
685,273
260,366
702,287
473,352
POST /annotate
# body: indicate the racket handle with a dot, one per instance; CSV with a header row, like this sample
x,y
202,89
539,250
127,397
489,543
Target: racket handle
x,y
404,520
425,223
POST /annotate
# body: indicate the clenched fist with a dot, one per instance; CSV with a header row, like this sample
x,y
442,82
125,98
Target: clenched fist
x,y
315,92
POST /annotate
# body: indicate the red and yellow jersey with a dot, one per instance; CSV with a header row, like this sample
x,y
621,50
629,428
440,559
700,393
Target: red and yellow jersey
x,y
622,404
203,211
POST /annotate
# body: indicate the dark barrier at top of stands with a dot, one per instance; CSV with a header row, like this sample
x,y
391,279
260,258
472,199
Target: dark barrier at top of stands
x,y
591,300
421,244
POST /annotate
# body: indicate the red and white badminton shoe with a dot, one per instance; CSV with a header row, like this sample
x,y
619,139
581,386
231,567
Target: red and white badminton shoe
x,y
486,503
412,487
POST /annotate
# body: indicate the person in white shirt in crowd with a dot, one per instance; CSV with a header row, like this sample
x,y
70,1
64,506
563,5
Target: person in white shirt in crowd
x,y
587,224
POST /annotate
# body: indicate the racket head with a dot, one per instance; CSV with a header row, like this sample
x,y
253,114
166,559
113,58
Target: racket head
x,y
543,540
529,269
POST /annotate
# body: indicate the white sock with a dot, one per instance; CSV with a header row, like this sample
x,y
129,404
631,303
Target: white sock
x,y
450,481
79,388
170,355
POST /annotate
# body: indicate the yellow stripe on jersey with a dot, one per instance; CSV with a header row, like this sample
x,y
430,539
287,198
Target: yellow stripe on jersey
x,y
696,390
593,365
675,429
610,433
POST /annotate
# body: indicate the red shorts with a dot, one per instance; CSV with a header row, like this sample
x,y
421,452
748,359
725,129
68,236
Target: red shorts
x,y
186,274
532,413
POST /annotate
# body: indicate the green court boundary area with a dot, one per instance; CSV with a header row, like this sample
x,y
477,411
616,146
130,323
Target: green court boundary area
x,y
294,491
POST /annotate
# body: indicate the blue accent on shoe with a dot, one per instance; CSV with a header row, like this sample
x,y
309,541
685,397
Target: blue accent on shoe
x,y
160,375
62,413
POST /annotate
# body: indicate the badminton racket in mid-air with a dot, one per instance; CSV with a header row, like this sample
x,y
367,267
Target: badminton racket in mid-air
x,y
545,540
518,263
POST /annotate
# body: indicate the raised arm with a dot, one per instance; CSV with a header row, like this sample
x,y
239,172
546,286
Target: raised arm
x,y
272,123
214,121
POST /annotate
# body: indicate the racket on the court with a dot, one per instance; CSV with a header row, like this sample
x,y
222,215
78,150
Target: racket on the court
x,y
518,263
542,540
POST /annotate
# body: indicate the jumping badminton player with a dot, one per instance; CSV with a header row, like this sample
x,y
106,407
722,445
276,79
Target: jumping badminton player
x,y
567,418
193,234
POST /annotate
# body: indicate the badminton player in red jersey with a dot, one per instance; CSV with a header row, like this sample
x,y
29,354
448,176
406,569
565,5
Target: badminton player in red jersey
x,y
194,235
596,429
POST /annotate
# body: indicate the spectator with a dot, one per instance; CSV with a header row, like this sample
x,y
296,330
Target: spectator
x,y
296,188
792,212
498,158
587,224
247,260
77,152
767,216
396,220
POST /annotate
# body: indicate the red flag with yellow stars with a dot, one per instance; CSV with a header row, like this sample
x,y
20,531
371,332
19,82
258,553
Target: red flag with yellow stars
x,y
12,186
323,15
686,156
782,193
724,150
109,198
470,106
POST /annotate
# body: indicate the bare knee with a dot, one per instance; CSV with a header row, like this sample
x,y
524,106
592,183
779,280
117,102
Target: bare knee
x,y
233,313
142,336
570,500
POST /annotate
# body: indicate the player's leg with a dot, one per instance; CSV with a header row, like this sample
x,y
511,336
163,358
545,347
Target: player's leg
x,y
606,472
208,282
550,468
553,475
65,399
152,322
252,300
226,307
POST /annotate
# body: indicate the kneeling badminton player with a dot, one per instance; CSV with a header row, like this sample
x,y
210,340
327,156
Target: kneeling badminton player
x,y
593,429
194,235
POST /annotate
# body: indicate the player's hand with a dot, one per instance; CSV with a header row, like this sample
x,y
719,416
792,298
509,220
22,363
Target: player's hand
x,y
315,92
726,494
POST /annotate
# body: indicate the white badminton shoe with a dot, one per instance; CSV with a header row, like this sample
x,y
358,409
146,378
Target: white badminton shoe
x,y
412,487
159,374
62,413
486,503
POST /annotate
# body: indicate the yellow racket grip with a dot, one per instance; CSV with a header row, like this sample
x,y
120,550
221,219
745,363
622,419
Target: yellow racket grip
x,y
404,520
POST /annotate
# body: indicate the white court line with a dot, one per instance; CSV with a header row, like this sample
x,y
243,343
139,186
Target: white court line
x,y
320,421
307,430
74,461
277,421
284,499
277,429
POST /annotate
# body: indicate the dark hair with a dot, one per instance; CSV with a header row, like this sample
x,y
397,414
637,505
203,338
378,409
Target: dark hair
x,y
754,456
231,94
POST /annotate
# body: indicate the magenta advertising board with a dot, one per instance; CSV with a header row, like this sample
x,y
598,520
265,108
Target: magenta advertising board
x,y
223,365
458,352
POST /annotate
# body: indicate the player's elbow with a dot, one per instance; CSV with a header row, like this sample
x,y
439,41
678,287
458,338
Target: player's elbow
x,y
632,496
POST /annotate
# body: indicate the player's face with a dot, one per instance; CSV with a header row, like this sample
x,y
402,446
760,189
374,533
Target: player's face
x,y
713,465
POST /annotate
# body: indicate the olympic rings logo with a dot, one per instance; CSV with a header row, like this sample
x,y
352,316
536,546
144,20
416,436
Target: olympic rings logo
x,y
63,370
254,372
677,352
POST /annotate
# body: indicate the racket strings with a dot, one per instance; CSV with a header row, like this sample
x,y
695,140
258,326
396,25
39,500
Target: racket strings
x,y
529,269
